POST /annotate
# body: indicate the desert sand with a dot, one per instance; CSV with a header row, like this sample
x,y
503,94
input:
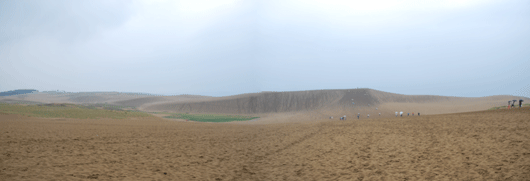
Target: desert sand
x,y
486,145
319,103
332,103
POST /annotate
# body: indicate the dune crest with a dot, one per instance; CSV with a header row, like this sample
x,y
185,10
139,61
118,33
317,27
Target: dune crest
x,y
346,101
314,103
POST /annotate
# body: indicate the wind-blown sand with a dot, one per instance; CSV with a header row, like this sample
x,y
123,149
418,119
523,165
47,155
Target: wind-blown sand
x,y
488,145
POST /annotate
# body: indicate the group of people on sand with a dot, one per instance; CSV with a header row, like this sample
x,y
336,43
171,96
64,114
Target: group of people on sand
x,y
401,114
358,116
513,103
368,115
341,118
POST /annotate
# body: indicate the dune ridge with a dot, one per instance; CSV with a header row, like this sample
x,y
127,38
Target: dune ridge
x,y
318,103
333,100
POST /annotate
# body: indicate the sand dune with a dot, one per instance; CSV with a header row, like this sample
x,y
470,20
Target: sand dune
x,y
257,103
75,98
336,101
489,145
147,101
115,98
317,103
292,140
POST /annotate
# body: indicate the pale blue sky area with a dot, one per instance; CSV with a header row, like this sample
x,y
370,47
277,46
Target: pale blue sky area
x,y
225,47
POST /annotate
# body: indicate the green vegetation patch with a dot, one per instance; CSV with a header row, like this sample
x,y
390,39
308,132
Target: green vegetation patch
x,y
210,117
107,106
67,111
500,107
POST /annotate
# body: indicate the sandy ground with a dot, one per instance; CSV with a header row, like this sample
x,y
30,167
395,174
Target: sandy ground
x,y
489,145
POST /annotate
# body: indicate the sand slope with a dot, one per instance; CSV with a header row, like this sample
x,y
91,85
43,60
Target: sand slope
x,y
319,103
113,98
333,103
74,98
490,145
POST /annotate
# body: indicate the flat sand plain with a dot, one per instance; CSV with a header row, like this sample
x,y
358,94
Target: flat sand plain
x,y
487,145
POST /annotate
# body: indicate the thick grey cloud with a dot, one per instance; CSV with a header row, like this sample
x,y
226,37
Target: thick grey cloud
x,y
460,48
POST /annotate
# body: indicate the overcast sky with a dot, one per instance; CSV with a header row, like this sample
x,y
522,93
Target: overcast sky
x,y
225,47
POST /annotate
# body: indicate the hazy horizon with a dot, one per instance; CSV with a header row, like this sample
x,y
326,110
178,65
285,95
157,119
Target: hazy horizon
x,y
152,94
466,48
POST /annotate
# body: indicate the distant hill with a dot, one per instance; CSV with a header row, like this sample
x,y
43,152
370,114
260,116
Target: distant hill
x,y
17,92
111,98
345,100
321,103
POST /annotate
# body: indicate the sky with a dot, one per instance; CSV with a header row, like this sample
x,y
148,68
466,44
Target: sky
x,y
468,48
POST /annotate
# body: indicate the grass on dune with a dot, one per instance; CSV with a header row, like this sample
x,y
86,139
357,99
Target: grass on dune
x,y
211,117
67,111
107,106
